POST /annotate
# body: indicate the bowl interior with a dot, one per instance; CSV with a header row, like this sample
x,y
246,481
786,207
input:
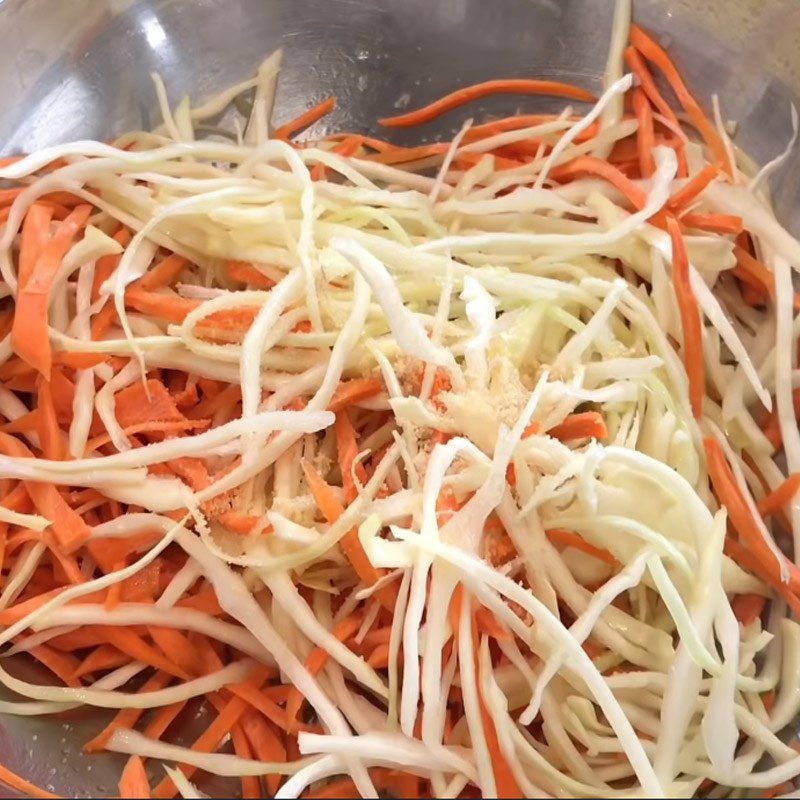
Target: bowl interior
x,y
82,70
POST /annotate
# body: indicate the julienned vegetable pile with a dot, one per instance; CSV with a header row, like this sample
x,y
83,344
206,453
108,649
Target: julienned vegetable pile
x,y
467,469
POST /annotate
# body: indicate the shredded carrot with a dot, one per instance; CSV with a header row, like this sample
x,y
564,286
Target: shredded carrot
x,y
127,641
724,224
747,608
348,452
266,745
589,165
244,272
50,434
656,54
781,496
60,664
163,273
469,94
350,392
126,717
751,266
35,235
251,785
148,402
584,425
243,524
70,530
562,538
332,509
406,155
25,788
339,788
294,126
693,188
690,319
645,138
316,661
101,659
227,717
30,336
730,495
134,783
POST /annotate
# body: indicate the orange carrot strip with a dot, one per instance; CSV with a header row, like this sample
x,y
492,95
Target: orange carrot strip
x,y
164,273
637,66
25,788
12,614
101,659
259,701
532,429
349,146
131,643
134,783
69,529
781,496
693,188
103,320
210,404
350,392
744,558
266,745
333,790
505,782
251,785
208,741
584,425
139,403
756,269
30,336
596,166
175,645
488,624
170,308
148,427
747,608
379,657
723,224
243,524
50,435
404,155
309,117
343,630
477,91
730,495
163,718
8,196
779,789
332,509
63,665
370,142
34,237
126,717
562,538
645,138
348,452
656,54
512,123
243,272
690,318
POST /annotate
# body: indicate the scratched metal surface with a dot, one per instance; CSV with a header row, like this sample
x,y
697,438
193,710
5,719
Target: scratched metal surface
x,y
80,69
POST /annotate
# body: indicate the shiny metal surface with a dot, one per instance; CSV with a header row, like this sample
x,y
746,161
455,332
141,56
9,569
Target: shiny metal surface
x,y
80,69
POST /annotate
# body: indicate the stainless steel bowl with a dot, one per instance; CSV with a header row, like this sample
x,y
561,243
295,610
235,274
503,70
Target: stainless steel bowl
x,y
80,69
